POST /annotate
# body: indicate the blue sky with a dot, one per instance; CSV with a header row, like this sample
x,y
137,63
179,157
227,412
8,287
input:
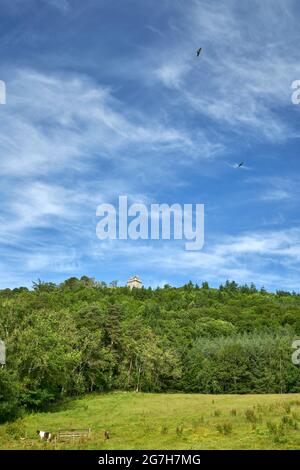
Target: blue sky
x,y
107,98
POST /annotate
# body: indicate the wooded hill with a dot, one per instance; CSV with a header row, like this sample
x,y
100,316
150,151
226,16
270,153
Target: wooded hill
x,y
82,336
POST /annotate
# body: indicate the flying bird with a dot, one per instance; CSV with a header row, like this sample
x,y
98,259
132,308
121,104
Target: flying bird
x,y
238,165
199,51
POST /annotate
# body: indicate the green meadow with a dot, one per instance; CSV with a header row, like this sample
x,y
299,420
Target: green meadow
x,y
165,421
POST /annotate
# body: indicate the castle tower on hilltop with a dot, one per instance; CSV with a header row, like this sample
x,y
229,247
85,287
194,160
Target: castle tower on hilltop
x,y
134,282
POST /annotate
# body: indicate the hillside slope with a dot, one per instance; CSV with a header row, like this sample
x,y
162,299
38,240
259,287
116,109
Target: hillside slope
x,y
167,421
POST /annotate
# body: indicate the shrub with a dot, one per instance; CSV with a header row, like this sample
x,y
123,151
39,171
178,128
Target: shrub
x,y
276,432
289,422
15,429
250,416
224,428
164,429
287,407
9,396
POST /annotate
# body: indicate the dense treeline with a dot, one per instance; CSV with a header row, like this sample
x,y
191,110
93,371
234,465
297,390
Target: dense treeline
x,y
83,336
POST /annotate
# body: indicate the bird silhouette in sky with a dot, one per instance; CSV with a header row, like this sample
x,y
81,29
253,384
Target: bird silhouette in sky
x,y
241,165
199,51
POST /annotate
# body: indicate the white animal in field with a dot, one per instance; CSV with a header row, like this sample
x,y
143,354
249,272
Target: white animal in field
x,y
45,436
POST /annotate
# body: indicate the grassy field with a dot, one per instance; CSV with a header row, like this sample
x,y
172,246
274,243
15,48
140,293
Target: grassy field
x,y
166,421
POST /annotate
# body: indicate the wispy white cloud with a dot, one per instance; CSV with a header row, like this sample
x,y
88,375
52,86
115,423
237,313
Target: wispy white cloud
x,y
55,130
275,188
244,75
172,74
67,143
56,122
276,195
270,258
62,5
